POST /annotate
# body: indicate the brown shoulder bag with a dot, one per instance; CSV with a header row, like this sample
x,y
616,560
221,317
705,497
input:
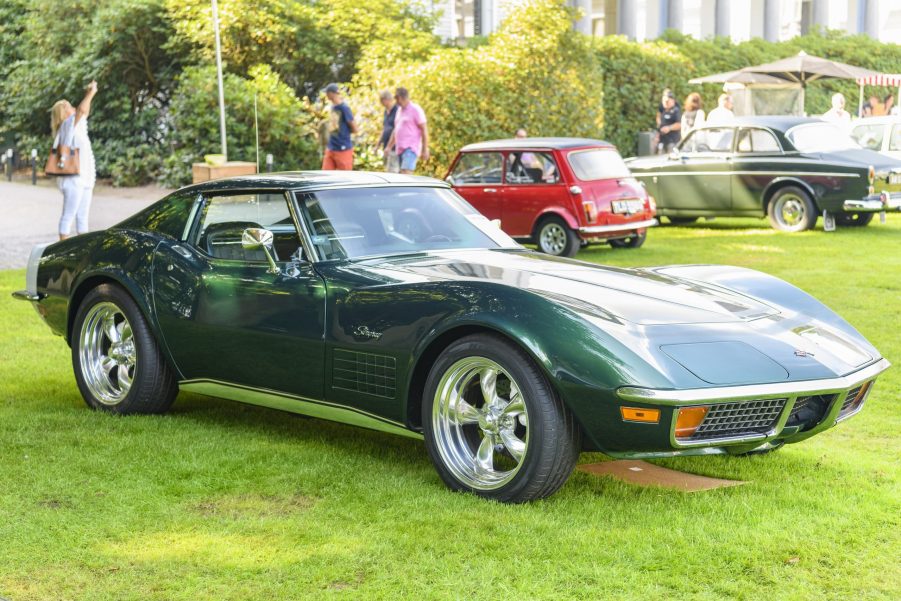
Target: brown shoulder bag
x,y
63,160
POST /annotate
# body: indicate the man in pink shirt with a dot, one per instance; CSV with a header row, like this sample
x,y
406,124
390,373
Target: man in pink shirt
x,y
410,138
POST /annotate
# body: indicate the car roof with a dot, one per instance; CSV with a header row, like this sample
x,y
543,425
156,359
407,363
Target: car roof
x,y
300,180
781,123
526,143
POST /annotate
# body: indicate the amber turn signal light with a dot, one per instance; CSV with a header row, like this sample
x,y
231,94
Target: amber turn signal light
x,y
634,414
688,421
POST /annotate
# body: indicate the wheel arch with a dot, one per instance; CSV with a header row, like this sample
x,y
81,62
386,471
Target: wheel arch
x,y
89,281
433,348
784,182
555,211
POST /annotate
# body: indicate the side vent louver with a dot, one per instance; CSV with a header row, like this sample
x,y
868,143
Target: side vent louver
x,y
364,372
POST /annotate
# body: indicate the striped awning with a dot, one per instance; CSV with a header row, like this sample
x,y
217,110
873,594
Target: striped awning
x,y
882,79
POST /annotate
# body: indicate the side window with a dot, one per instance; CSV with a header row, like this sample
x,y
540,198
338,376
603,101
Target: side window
x,y
757,140
479,168
870,136
711,139
531,168
894,142
225,217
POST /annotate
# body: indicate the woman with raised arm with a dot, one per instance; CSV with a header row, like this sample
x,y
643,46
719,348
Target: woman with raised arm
x,y
69,126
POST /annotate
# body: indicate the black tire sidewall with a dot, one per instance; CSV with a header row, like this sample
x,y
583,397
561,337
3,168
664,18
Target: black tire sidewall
x,y
538,395
634,241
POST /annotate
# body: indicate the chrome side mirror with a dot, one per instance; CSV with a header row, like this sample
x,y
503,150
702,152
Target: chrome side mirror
x,y
449,179
257,238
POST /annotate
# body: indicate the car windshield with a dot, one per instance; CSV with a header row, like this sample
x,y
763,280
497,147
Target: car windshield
x,y
362,222
821,137
598,163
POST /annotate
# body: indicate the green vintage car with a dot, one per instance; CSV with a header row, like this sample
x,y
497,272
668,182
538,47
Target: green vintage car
x,y
789,169
387,302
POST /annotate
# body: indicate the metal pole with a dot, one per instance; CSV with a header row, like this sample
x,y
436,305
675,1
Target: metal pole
x,y
256,129
9,163
268,163
34,166
219,77
860,102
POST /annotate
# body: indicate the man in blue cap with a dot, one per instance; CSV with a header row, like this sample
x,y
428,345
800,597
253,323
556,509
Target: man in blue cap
x,y
339,153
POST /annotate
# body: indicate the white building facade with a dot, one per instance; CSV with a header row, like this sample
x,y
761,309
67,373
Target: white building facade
x,y
773,20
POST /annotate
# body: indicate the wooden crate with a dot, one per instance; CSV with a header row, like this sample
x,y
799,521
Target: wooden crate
x,y
204,172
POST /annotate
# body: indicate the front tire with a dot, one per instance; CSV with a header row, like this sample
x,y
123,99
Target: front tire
x,y
493,424
633,241
853,219
118,364
555,237
792,210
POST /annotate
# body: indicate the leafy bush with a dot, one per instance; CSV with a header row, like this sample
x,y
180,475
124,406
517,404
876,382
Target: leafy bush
x,y
532,73
286,123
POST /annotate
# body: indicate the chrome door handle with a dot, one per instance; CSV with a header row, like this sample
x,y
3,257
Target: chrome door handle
x,y
489,189
182,251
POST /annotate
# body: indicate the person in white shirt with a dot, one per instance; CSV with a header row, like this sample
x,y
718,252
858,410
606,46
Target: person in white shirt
x,y
69,127
837,114
722,114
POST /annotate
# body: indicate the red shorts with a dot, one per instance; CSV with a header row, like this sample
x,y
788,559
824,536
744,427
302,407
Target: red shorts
x,y
340,160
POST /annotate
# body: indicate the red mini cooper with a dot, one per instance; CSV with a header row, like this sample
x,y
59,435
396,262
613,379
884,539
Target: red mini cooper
x,y
560,193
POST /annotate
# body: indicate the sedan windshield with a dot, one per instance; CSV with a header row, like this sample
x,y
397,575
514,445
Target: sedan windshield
x,y
598,163
363,222
820,137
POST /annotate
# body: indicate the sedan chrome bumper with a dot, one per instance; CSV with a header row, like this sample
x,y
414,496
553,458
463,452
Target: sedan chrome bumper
x,y
874,204
621,227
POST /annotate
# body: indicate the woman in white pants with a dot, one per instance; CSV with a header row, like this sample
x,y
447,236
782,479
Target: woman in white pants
x,y
70,128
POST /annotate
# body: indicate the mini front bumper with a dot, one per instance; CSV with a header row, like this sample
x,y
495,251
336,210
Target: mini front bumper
x,y
876,203
836,410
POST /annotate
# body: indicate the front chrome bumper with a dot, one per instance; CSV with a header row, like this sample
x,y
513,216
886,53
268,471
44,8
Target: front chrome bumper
x,y
621,227
885,201
790,391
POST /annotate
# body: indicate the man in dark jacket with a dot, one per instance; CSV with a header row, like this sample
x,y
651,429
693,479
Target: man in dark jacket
x,y
392,165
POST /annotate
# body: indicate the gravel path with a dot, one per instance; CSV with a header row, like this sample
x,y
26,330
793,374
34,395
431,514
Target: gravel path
x,y
30,214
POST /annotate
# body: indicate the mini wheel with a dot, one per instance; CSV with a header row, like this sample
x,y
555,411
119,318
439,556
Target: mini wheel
x,y
494,426
118,364
555,237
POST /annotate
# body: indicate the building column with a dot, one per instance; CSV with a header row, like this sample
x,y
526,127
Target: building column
x,y
628,24
771,15
871,18
674,15
583,25
723,18
821,13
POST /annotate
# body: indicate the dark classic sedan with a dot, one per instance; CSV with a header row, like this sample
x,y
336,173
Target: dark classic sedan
x,y
790,169
387,302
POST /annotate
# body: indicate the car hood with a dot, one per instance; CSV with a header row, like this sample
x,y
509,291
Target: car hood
x,y
638,296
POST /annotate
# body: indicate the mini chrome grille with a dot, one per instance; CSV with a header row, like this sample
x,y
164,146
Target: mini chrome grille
x,y
737,419
849,398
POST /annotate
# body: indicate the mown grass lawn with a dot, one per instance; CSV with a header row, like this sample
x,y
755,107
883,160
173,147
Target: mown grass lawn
x,y
223,501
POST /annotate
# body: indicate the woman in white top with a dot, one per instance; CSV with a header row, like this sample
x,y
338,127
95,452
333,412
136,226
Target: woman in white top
x,y
70,128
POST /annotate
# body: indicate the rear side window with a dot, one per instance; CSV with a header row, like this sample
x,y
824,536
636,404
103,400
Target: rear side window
x,y
167,217
529,167
757,140
598,163
478,168
869,136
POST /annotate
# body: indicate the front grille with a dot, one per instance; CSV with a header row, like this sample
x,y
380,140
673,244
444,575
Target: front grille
x,y
739,419
851,403
849,399
808,411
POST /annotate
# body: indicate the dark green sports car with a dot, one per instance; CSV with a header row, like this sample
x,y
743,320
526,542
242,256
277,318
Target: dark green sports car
x,y
790,169
386,301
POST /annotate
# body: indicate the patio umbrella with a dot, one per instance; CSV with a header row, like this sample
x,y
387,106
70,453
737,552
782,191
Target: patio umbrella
x,y
803,68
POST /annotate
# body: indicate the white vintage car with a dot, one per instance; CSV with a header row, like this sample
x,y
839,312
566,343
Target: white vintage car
x,y
882,134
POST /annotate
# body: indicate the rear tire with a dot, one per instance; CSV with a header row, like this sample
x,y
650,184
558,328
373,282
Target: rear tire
x,y
494,425
853,219
118,364
633,241
792,210
554,237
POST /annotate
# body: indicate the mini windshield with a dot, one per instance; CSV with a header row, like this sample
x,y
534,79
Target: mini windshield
x,y
362,222
599,163
820,137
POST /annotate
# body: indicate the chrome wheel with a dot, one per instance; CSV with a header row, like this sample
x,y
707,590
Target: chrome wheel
x,y
107,353
480,423
552,238
790,212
